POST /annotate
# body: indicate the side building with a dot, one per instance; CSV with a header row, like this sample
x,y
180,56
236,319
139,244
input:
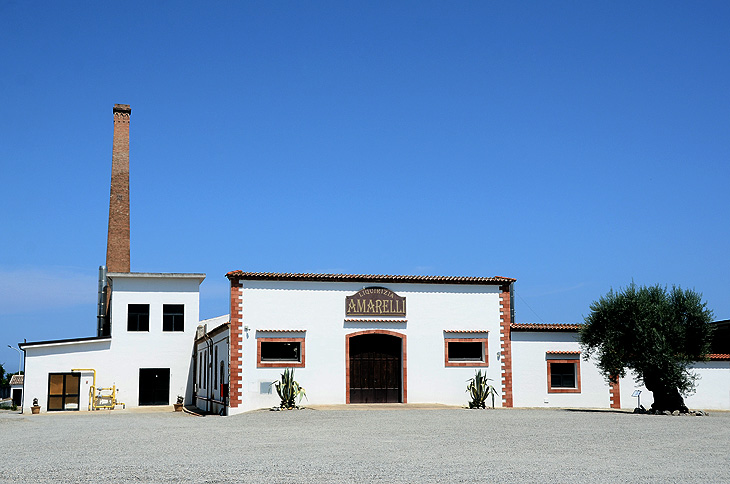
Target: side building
x,y
144,354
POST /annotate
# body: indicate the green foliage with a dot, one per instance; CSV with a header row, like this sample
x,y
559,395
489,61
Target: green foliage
x,y
288,389
479,390
652,331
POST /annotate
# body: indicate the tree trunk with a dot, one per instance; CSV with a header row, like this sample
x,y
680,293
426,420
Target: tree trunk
x,y
665,398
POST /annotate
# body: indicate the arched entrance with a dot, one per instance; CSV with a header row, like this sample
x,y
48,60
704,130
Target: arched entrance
x,y
376,367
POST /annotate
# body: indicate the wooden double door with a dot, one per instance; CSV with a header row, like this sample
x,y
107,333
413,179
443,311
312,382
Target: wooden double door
x,y
376,368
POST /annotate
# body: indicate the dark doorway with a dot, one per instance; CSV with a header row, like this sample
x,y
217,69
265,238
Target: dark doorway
x,y
375,369
17,396
154,386
63,391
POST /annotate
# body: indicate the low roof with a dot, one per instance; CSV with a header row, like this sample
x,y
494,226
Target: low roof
x,y
545,326
273,276
16,380
157,275
69,341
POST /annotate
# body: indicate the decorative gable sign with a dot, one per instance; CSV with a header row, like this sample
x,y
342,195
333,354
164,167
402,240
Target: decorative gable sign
x,y
375,301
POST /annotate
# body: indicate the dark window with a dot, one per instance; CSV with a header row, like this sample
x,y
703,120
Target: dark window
x,y
562,375
63,391
280,351
173,317
138,317
466,351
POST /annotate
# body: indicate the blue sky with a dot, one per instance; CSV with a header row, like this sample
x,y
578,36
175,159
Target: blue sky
x,y
575,146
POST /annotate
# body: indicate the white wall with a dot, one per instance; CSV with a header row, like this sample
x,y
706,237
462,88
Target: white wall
x,y
319,308
713,386
118,360
208,385
529,372
712,391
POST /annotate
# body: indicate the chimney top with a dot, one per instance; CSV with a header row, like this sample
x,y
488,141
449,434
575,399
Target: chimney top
x,y
122,108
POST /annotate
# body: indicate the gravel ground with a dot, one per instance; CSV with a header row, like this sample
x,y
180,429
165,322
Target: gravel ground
x,y
412,445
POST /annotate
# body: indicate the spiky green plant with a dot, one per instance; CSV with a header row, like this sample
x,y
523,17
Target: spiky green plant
x,y
288,389
479,389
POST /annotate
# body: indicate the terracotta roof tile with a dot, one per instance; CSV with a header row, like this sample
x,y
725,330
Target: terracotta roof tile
x,y
563,352
282,330
16,380
545,326
353,320
466,331
718,356
272,276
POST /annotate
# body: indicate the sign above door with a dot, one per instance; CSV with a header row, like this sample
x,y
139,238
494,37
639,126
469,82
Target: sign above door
x,y
375,301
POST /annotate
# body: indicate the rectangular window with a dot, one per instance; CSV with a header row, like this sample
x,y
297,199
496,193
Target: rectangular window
x,y
465,352
280,353
200,370
563,372
173,317
63,391
138,317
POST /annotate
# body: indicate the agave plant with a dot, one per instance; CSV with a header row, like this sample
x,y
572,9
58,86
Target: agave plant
x,y
288,389
479,390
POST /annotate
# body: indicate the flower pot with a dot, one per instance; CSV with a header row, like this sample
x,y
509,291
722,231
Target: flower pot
x,y
35,409
178,407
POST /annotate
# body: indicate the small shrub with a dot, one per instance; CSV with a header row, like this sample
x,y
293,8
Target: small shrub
x,y
479,390
288,389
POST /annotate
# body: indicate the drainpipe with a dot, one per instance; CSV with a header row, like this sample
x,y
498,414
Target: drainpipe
x,y
209,345
511,302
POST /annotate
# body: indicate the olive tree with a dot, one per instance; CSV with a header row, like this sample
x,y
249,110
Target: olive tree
x,y
654,332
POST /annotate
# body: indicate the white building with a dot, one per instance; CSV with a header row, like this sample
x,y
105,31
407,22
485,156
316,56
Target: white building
x,y
408,339
211,365
16,390
354,338
146,356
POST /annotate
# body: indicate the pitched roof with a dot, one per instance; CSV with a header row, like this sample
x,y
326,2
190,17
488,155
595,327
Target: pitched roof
x,y
273,276
16,380
545,326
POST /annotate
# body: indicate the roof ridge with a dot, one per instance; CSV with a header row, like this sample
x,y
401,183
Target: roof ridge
x,y
369,277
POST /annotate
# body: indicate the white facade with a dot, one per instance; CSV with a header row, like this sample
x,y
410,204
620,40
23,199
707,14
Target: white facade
x,y
312,313
210,365
147,365
531,352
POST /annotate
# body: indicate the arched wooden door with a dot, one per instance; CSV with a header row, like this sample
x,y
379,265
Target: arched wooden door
x,y
376,368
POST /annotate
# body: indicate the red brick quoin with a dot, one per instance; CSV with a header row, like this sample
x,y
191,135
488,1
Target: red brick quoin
x,y
505,339
236,377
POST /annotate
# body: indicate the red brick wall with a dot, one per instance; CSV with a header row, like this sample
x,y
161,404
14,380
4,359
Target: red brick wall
x,y
235,392
117,245
505,339
614,392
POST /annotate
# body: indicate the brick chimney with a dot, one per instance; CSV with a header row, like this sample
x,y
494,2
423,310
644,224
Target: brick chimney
x,y
117,242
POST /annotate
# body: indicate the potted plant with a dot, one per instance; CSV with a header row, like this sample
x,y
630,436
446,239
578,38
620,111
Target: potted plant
x,y
479,390
288,390
35,409
179,404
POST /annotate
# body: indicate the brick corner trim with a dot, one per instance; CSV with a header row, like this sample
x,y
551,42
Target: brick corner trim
x,y
235,391
505,341
614,393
